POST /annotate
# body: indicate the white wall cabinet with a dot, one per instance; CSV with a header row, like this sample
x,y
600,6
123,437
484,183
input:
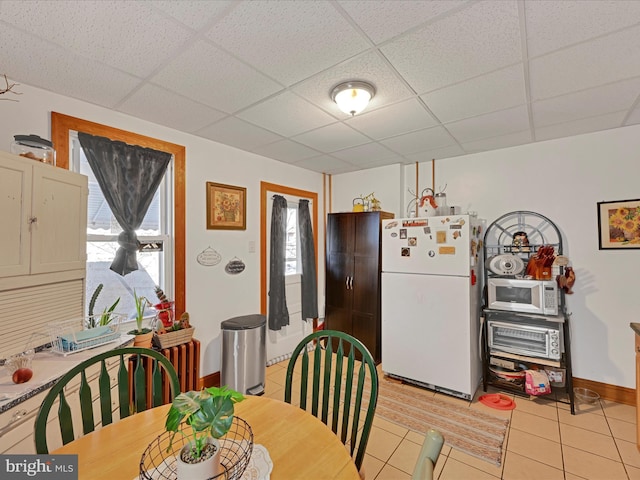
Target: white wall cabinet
x,y
44,216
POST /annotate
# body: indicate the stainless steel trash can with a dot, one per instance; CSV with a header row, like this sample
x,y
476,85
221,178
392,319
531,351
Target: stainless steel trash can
x,y
244,354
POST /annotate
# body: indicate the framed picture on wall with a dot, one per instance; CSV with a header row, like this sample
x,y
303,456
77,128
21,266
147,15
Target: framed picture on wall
x,y
226,207
619,224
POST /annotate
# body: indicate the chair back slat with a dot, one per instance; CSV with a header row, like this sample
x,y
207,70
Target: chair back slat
x,y
361,395
337,385
86,405
63,393
65,420
124,394
104,384
328,357
156,384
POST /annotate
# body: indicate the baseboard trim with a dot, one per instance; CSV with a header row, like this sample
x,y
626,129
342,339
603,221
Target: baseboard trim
x,y
211,380
612,393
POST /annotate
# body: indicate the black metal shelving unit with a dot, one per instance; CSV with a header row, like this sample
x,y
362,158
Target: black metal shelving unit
x,y
498,240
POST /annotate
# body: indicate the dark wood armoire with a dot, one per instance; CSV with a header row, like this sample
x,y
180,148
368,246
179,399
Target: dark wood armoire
x,y
353,261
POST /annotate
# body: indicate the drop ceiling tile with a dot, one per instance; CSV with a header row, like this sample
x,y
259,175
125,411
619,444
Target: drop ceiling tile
x,y
369,67
488,93
552,24
393,120
332,138
215,79
365,153
470,42
39,65
286,114
193,13
634,117
578,127
326,164
494,143
238,133
587,103
286,151
104,31
304,38
436,154
423,140
170,109
603,60
490,125
382,20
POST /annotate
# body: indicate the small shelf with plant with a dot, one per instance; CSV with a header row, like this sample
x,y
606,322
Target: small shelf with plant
x,y
170,332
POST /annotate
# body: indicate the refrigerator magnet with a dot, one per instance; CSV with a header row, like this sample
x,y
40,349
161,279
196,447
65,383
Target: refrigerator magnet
x,y
432,253
447,250
403,233
405,252
441,236
412,241
394,234
427,230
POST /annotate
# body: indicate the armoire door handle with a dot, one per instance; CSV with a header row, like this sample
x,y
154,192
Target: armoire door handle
x,y
351,283
346,282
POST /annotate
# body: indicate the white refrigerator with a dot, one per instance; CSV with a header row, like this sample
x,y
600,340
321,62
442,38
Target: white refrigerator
x,y
430,302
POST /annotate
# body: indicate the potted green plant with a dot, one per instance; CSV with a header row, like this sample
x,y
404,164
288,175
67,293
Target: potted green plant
x,y
103,319
208,414
143,336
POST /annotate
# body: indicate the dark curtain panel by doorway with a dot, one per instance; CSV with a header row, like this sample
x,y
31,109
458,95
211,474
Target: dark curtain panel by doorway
x,y
278,313
129,176
308,254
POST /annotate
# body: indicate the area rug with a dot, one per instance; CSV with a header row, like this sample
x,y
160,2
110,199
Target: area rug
x,y
466,429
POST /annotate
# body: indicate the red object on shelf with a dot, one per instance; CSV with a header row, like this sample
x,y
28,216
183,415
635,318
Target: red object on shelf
x,y
166,313
498,401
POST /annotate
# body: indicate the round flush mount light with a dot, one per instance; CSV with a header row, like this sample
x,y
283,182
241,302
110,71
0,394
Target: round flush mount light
x,y
352,97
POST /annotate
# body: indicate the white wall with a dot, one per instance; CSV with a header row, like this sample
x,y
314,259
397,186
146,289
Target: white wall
x,y
564,179
385,182
212,295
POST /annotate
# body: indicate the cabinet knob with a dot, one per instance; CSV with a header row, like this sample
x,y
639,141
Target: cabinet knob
x,y
33,220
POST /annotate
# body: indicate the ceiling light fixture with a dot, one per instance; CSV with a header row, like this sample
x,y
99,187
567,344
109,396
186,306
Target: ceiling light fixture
x,y
352,97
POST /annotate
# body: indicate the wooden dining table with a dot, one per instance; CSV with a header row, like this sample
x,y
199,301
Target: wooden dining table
x,y
299,444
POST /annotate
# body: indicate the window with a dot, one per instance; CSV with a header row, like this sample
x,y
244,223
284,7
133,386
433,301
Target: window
x,y
155,260
61,128
292,265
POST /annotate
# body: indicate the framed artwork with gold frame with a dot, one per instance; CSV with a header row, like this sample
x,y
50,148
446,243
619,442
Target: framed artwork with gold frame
x,y
226,207
619,224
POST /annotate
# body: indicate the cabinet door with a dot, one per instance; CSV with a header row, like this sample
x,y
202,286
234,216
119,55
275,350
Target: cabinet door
x,y
340,231
367,234
15,211
338,292
59,234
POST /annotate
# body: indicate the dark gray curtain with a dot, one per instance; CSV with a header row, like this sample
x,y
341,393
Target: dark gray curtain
x,y
129,176
278,313
308,253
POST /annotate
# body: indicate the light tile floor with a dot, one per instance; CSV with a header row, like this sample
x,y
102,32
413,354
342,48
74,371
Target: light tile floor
x,y
544,442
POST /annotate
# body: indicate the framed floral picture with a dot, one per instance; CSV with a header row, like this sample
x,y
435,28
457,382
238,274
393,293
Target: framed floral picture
x,y
619,224
226,207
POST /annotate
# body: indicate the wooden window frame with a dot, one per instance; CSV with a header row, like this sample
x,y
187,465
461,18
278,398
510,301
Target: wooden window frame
x,y
61,125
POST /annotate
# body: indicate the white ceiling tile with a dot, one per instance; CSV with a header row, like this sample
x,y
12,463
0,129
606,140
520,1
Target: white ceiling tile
x,y
634,117
332,138
490,125
552,24
287,114
215,79
393,120
587,103
193,13
494,143
600,61
312,37
104,31
473,41
488,93
368,152
325,164
153,103
39,65
286,151
382,20
368,67
423,140
436,154
238,133
578,127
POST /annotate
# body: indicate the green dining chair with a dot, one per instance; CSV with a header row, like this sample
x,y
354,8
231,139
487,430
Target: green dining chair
x,y
339,373
428,456
135,381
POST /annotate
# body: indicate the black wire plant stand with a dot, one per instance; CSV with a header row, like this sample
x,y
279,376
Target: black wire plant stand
x,y
158,463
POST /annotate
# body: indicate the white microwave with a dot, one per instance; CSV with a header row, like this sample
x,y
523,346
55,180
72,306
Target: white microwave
x,y
519,295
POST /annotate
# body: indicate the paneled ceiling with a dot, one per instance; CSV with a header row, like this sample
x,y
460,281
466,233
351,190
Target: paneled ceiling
x,y
452,77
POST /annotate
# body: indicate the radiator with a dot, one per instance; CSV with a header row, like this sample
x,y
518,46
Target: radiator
x,y
185,359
